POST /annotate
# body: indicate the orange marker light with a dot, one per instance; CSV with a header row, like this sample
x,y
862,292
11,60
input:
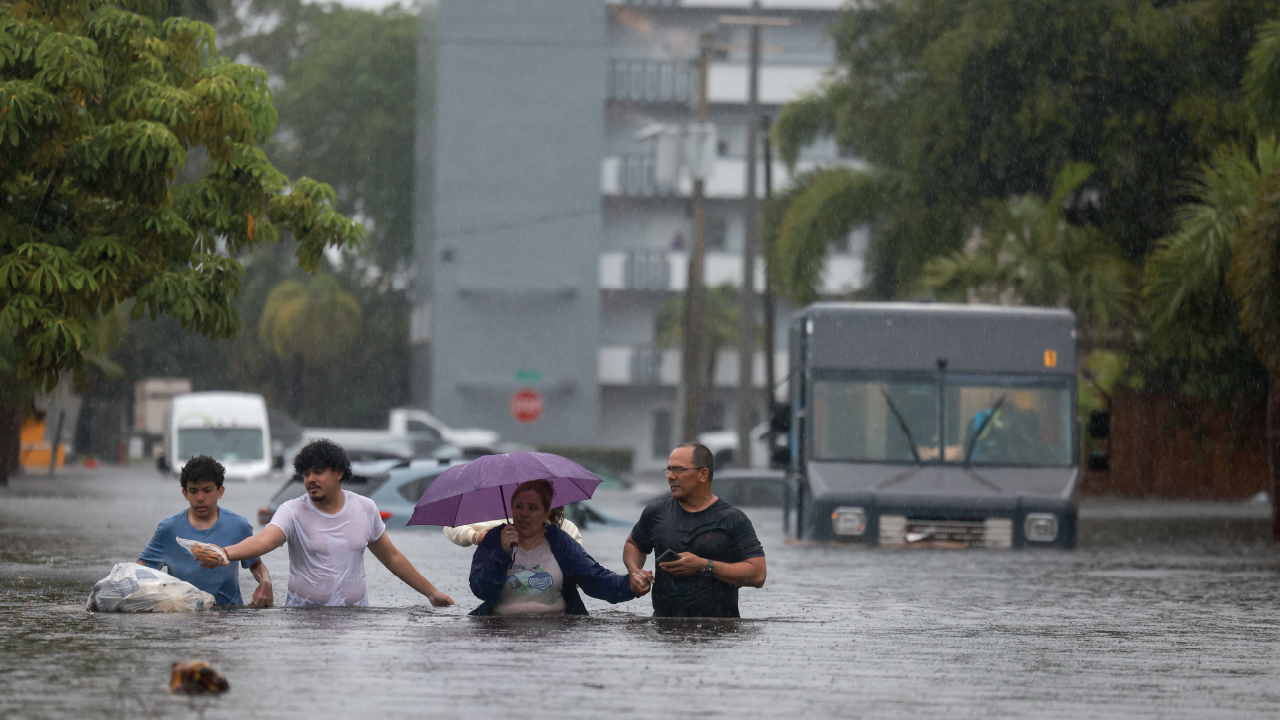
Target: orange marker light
x,y
1050,358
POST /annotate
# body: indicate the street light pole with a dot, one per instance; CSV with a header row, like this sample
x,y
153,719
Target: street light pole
x,y
770,312
750,241
695,294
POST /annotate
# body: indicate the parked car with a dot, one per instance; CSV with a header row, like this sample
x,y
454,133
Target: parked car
x,y
747,487
410,434
751,488
723,444
397,488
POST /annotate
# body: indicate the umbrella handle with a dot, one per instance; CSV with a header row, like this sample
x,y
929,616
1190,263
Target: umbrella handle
x,y
502,494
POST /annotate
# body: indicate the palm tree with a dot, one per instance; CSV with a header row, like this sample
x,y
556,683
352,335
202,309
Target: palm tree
x,y
308,326
816,211
1223,262
720,329
1025,253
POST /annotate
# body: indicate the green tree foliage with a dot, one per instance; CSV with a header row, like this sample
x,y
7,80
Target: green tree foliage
x,y
100,108
1026,253
720,328
308,326
1195,340
1216,280
992,98
347,115
345,91
815,211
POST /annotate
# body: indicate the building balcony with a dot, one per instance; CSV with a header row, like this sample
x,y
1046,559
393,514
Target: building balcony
x,y
631,175
676,81
651,366
652,81
641,365
727,83
668,270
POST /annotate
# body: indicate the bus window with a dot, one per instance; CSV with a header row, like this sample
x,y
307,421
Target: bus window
x,y
1008,421
875,420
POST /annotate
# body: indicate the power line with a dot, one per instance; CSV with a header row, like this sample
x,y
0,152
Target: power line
x,y
513,224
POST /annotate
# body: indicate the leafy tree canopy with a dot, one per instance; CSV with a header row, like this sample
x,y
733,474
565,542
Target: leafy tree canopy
x,y
1025,253
961,101
101,109
360,139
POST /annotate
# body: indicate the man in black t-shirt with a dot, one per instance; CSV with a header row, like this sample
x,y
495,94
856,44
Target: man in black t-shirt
x,y
717,546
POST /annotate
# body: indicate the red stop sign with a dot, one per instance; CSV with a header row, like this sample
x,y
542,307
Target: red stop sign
x,y
526,405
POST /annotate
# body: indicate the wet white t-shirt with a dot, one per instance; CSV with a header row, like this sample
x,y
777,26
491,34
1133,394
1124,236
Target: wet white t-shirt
x,y
534,583
326,552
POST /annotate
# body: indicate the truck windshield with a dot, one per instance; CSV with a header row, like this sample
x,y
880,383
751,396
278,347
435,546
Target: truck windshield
x,y
875,419
1002,420
223,444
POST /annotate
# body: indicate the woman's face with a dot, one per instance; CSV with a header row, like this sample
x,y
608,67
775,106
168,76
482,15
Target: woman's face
x,y
528,514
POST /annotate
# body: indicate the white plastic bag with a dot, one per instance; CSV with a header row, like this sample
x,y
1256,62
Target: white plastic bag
x,y
133,588
199,550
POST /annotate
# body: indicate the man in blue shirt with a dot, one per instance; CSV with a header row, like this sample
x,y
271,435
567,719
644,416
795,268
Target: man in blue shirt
x,y
201,480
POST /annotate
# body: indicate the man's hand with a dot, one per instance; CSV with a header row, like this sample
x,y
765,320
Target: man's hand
x,y
264,596
687,564
641,582
210,556
477,536
439,599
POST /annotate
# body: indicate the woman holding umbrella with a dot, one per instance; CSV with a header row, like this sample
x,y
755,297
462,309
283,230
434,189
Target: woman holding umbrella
x,y
533,567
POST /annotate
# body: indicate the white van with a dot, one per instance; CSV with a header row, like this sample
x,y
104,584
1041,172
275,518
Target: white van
x,y
230,427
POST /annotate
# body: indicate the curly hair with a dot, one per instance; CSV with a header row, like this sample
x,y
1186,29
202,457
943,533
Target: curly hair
x,y
322,454
546,492
202,468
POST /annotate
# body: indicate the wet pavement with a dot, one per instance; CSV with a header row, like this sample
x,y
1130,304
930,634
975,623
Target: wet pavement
x,y
1165,611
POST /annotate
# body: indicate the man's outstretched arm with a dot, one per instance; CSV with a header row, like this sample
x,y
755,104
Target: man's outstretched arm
x,y
395,561
264,542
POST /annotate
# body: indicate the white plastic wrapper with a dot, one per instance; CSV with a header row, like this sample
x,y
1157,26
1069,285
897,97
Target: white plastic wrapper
x,y
133,588
199,549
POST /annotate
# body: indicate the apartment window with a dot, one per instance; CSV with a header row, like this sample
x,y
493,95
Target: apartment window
x,y
717,230
661,441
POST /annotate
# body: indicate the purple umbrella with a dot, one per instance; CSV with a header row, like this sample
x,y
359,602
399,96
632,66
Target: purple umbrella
x,y
481,489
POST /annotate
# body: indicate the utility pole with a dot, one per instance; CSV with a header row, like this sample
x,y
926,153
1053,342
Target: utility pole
x,y
770,321
747,397
695,294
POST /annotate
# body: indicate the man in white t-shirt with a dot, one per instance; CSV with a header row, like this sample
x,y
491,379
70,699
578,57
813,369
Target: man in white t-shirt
x,y
327,531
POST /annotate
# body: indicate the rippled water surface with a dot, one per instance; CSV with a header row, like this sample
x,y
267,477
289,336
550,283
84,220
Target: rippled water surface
x,y
1164,611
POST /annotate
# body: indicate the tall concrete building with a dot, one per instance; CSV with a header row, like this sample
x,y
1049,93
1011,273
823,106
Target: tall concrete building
x,y
549,261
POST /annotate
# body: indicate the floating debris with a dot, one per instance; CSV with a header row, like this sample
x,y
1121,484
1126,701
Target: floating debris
x,y
196,678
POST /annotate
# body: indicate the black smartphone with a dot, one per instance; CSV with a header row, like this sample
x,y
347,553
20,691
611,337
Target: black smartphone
x,y
668,556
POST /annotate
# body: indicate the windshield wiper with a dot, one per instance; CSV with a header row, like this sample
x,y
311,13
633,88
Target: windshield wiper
x,y
973,441
902,424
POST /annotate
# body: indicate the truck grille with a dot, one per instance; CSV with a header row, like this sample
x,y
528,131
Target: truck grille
x,y
902,531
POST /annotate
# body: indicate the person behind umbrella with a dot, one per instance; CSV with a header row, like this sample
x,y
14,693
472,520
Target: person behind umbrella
x,y
468,535
533,567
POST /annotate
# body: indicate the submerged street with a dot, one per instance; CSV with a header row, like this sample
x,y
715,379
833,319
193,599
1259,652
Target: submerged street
x,y
1165,610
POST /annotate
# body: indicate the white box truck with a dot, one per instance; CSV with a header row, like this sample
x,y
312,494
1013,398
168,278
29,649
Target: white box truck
x,y
230,427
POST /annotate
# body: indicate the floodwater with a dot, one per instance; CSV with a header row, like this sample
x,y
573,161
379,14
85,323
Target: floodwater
x,y
1165,611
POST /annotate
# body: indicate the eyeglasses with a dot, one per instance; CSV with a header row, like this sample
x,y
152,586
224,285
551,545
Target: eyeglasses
x,y
676,469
